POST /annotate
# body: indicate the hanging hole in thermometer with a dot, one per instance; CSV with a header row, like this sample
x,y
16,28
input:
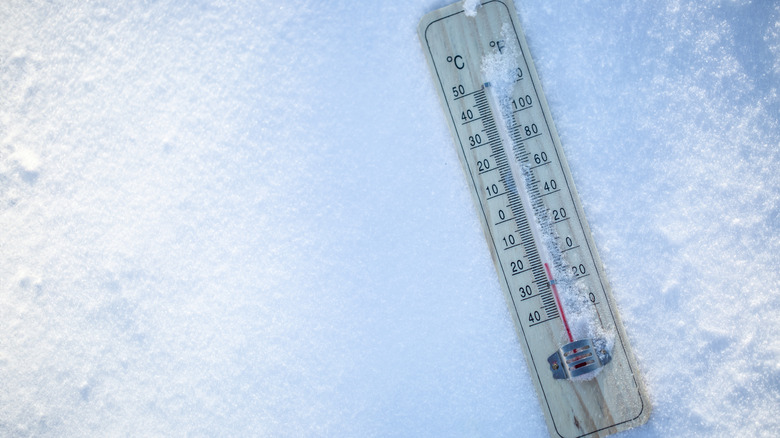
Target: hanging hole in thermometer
x,y
576,348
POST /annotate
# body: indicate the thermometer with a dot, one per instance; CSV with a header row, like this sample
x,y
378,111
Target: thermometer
x,y
577,351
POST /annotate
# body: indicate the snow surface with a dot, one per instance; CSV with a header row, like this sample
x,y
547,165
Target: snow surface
x,y
470,7
248,218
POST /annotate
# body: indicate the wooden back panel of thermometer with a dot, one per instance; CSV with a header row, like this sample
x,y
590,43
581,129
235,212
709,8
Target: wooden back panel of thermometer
x,y
517,171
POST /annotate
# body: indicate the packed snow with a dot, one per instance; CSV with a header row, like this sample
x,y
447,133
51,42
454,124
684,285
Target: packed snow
x,y
470,7
248,218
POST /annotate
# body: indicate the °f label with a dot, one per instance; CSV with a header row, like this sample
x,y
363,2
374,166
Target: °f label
x,y
578,355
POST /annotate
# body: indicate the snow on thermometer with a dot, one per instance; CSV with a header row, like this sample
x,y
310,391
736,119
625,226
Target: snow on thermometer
x,y
577,351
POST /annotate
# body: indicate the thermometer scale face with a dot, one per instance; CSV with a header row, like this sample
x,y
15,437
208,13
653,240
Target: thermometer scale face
x,y
577,352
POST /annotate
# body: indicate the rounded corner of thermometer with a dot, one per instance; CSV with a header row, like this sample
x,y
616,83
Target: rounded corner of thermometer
x,y
422,29
437,15
645,412
425,23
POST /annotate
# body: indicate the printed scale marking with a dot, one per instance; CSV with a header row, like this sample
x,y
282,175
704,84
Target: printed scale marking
x,y
539,239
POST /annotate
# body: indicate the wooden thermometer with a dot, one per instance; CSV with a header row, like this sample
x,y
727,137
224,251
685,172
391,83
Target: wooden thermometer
x,y
577,351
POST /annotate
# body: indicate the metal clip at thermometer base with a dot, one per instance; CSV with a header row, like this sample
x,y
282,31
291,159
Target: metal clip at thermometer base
x,y
577,359
548,267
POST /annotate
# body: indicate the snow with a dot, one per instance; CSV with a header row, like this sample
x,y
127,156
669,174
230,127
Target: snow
x,y
248,218
470,7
